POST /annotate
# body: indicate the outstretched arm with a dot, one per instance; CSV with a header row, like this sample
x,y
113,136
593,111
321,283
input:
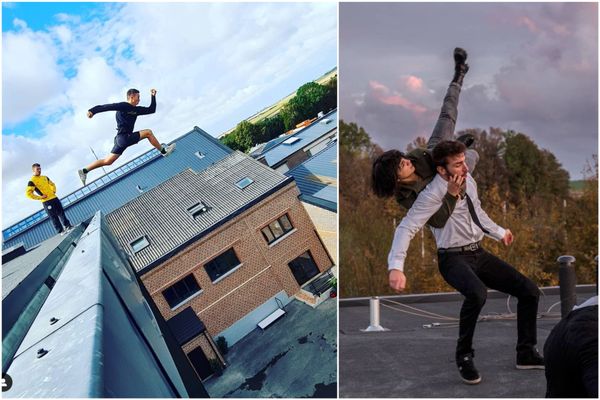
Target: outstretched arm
x,y
496,232
123,106
148,110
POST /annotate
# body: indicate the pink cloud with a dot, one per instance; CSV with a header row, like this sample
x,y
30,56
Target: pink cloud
x,y
529,24
378,86
381,94
413,83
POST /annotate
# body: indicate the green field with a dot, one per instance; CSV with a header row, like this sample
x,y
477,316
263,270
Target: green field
x,y
274,109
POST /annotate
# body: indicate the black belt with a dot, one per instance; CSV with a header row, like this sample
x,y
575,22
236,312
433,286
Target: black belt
x,y
461,249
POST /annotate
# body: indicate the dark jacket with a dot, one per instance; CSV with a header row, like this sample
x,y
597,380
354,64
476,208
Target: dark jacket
x,y
406,194
571,355
126,113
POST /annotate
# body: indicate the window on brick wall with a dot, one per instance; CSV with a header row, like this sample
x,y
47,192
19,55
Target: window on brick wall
x,y
181,291
222,265
304,268
277,229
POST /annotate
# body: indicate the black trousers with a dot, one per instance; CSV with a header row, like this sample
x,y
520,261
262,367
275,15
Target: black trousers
x,y
57,214
471,273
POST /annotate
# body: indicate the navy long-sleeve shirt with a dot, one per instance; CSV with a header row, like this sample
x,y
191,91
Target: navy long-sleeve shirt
x,y
126,113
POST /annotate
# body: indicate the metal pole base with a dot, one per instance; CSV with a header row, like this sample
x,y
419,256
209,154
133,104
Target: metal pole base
x,y
375,328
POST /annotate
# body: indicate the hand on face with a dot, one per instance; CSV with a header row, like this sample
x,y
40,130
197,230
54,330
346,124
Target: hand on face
x,y
455,182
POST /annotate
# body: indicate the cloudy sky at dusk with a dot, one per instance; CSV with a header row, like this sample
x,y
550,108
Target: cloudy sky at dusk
x,y
534,69
213,64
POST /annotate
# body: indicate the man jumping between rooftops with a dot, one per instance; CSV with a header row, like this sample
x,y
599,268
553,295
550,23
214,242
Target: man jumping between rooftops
x,y
127,113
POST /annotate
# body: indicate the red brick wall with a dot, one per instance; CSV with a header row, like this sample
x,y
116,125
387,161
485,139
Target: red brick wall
x,y
264,271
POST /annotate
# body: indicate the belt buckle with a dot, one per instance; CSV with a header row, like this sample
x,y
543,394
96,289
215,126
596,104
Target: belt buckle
x,y
472,247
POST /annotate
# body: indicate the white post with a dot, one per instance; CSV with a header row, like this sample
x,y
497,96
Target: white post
x,y
374,316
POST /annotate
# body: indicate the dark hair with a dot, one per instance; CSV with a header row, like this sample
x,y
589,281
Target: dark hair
x,y
385,173
35,165
131,92
446,149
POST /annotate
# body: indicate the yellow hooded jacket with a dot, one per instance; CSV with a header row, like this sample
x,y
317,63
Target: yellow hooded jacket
x,y
41,185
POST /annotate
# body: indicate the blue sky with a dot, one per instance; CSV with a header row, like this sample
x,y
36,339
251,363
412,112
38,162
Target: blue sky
x,y
213,64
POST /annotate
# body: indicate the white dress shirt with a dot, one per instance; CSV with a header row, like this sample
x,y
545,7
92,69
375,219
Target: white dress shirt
x,y
460,229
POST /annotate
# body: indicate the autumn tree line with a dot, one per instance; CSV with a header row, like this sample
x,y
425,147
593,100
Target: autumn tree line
x,y
310,99
521,187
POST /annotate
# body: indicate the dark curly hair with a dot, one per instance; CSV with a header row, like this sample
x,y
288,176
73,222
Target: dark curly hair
x,y
385,173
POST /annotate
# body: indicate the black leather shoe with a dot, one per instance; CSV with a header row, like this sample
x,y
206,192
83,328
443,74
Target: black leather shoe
x,y
530,360
460,56
460,67
467,370
467,139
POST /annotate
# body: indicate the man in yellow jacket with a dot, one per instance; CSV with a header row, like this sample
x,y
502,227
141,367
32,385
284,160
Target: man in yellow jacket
x,y
40,187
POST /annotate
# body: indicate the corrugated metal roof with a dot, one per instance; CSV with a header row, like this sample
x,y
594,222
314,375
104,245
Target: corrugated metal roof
x,y
317,178
308,135
121,185
161,214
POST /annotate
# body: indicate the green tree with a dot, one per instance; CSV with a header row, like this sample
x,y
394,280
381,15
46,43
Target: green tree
x,y
354,138
310,99
532,171
270,128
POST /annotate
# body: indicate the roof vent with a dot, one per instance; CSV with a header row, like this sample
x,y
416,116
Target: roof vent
x,y
325,121
197,209
291,140
139,244
199,154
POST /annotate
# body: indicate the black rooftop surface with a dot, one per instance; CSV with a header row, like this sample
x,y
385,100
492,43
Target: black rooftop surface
x,y
185,326
412,361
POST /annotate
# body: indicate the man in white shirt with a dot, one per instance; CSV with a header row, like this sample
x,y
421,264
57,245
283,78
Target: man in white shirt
x,y
463,262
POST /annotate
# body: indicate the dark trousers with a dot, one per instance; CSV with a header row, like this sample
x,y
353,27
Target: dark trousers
x,y
57,214
444,127
471,273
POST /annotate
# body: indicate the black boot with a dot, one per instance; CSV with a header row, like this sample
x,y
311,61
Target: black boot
x,y
460,66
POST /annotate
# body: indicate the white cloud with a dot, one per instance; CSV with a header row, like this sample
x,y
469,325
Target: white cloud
x,y
211,63
30,74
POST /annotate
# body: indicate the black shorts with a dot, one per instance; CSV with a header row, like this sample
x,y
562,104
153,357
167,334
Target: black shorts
x,y
124,140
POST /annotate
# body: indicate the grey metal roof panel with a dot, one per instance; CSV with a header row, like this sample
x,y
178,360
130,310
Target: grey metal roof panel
x,y
161,213
309,178
103,329
14,271
146,171
307,135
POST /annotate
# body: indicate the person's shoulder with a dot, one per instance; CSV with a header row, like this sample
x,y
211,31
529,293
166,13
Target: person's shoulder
x,y
437,186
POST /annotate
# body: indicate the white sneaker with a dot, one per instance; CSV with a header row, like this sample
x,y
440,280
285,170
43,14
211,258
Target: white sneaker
x,y
82,176
168,150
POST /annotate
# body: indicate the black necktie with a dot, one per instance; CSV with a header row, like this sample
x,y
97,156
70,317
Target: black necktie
x,y
473,214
